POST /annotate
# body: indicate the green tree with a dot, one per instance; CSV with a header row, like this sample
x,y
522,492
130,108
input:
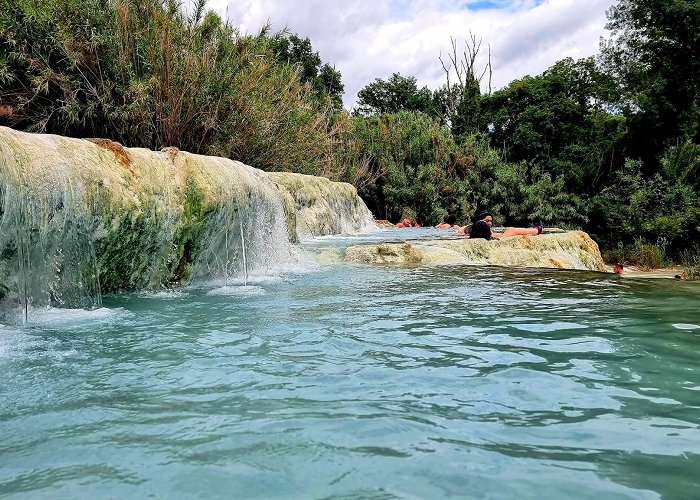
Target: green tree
x,y
461,94
324,79
560,122
330,81
654,50
398,93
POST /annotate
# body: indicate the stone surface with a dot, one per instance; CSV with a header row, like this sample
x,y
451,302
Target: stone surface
x,y
323,207
567,250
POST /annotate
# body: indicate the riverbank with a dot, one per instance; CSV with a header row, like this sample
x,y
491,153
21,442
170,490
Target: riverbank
x,y
635,272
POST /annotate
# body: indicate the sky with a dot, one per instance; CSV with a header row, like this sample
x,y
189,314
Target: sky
x,y
370,39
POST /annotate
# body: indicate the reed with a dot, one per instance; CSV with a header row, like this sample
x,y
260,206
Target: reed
x,y
147,73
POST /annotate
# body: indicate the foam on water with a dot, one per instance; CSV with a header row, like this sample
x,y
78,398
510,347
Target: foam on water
x,y
261,277
163,294
52,316
238,291
3,333
685,326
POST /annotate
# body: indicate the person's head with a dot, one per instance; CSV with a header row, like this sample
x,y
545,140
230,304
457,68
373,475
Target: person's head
x,y
618,268
486,216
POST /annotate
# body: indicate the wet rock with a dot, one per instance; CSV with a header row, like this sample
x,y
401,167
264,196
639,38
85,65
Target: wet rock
x,y
565,250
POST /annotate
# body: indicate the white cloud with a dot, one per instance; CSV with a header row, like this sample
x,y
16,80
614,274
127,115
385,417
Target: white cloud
x,y
368,39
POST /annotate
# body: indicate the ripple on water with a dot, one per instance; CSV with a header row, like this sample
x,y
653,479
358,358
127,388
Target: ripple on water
x,y
373,381
547,327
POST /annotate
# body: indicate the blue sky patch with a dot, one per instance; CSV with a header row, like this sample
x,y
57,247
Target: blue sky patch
x,y
476,5
483,5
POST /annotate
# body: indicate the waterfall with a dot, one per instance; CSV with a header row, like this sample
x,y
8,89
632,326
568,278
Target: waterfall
x,y
245,264
79,218
246,230
46,233
22,274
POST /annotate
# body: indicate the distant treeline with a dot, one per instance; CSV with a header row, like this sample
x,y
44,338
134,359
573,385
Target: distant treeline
x,y
610,144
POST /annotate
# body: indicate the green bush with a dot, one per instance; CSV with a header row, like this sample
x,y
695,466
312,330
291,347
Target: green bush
x,y
522,196
635,206
413,163
645,256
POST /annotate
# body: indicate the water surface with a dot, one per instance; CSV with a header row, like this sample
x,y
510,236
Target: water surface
x,y
361,382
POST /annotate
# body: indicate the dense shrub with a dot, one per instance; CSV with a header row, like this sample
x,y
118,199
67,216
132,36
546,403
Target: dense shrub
x,y
634,206
521,197
413,163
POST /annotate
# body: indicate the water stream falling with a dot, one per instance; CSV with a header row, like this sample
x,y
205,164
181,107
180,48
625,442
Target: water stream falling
x,y
245,264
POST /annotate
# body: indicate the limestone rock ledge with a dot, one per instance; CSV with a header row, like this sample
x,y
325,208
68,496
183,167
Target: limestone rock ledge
x,y
80,217
321,207
569,250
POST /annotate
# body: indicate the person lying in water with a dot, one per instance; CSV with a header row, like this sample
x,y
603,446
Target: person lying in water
x,y
447,223
482,229
408,223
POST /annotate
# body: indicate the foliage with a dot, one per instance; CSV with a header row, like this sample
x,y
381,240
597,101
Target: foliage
x,y
634,206
522,197
646,256
397,94
461,95
416,166
691,263
417,169
144,73
642,255
324,79
681,164
559,122
653,52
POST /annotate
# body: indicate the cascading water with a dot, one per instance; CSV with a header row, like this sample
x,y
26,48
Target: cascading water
x,y
82,217
46,247
245,264
246,232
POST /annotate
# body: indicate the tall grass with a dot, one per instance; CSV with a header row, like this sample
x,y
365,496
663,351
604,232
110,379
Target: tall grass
x,y
690,259
645,256
145,73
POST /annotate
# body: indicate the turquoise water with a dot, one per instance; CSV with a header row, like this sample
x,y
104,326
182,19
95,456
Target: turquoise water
x,y
361,382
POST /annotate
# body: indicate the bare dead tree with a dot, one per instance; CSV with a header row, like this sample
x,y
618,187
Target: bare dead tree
x,y
464,67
